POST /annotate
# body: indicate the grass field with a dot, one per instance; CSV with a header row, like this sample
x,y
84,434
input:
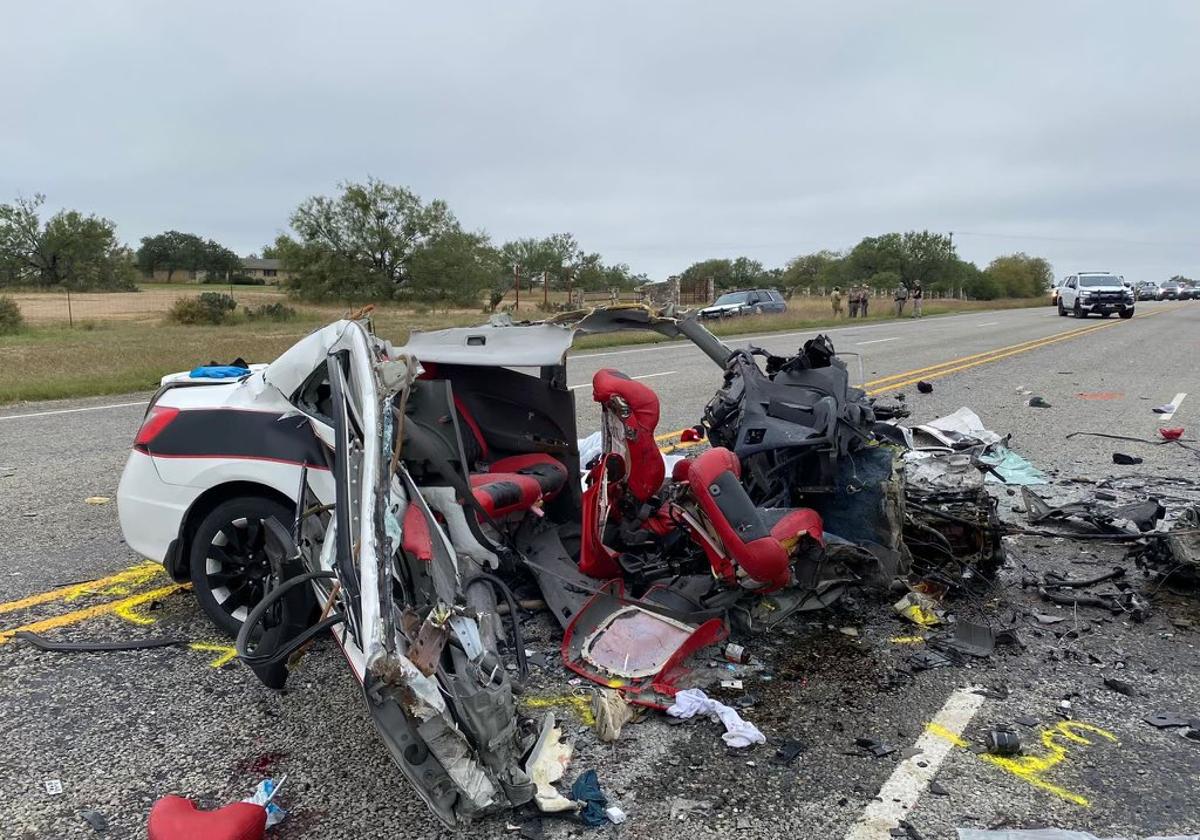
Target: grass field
x,y
122,354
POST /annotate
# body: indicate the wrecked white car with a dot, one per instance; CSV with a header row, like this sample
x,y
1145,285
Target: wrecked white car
x,y
446,473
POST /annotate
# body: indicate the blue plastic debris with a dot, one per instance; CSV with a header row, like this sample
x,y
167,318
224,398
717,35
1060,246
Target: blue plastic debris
x,y
218,372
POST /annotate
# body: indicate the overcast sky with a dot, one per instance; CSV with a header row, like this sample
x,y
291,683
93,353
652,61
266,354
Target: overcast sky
x,y
659,133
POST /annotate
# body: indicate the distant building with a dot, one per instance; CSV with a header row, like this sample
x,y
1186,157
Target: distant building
x,y
256,268
269,271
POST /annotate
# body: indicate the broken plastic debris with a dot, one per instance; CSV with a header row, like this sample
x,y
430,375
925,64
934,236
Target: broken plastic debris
x,y
615,815
875,746
925,387
546,765
103,500
919,609
738,732
95,819
53,786
1038,402
1171,434
1168,408
1125,460
736,685
1002,741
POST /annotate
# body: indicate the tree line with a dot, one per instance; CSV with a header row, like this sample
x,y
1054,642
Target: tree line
x,y
376,241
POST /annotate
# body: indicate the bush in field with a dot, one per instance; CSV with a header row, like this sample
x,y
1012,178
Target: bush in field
x,y
205,308
271,312
11,320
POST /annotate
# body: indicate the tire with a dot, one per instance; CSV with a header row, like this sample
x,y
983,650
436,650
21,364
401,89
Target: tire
x,y
1078,311
226,560
1105,314
1127,314
1062,313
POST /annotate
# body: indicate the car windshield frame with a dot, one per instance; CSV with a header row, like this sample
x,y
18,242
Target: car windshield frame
x,y
721,301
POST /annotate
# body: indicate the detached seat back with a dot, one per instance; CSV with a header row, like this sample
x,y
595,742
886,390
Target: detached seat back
x,y
752,549
630,414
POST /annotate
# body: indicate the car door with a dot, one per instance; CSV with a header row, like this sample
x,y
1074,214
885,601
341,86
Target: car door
x,y
1068,293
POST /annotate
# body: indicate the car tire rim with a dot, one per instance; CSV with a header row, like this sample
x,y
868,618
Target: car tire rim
x,y
236,566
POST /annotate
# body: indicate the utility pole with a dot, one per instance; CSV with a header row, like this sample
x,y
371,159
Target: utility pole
x,y
545,291
517,280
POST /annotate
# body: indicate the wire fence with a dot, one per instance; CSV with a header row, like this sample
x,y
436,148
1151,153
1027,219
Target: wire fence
x,y
151,304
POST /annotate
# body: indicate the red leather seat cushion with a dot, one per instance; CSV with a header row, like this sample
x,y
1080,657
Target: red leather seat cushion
x,y
549,472
503,493
176,818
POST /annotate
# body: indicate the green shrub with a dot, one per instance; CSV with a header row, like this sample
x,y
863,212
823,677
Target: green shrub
x,y
271,312
234,279
11,320
205,308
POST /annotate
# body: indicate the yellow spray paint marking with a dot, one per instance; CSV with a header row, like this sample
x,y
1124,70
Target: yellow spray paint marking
x,y
76,616
1031,768
582,705
225,653
133,576
131,614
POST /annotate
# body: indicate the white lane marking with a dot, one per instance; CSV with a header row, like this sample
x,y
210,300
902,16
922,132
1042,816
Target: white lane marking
x,y
643,376
909,780
1174,407
988,324
73,410
876,341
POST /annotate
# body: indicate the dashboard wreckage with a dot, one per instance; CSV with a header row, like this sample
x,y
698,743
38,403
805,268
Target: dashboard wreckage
x,y
456,478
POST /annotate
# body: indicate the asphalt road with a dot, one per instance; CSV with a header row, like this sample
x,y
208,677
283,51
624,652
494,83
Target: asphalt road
x,y
119,730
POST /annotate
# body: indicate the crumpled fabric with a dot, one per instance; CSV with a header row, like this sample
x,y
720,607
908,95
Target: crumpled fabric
x,y
218,372
738,732
586,790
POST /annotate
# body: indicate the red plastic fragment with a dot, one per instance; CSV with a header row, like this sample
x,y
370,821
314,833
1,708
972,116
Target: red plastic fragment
x,y
1171,434
176,818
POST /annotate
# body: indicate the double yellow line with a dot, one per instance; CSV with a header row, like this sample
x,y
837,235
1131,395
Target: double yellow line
x,y
910,377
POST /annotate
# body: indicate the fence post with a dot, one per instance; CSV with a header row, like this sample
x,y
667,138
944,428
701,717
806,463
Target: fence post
x,y
70,316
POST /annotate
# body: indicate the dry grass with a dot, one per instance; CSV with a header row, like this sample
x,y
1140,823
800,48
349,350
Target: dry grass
x,y
121,355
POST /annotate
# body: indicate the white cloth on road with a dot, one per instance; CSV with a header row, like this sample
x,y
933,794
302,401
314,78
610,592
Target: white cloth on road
x,y
738,733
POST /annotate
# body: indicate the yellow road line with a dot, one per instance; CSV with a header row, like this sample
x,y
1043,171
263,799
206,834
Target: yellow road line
x,y
76,616
141,573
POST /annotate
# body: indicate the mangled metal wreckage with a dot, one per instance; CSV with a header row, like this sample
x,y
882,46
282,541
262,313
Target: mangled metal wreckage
x,y
456,478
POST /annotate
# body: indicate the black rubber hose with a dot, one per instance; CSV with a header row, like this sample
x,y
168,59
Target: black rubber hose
x,y
518,639
260,610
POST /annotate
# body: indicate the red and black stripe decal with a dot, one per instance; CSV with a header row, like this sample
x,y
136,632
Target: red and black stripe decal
x,y
233,433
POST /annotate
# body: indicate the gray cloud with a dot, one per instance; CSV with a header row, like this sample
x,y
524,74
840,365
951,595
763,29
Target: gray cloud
x,y
657,133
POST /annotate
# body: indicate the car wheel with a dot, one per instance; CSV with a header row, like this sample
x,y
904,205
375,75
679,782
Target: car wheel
x,y
1105,314
227,563
1062,312
1078,311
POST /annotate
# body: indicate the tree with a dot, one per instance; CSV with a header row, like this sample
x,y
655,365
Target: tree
x,y
453,269
556,256
812,270
1019,275
176,251
926,258
358,245
70,250
738,273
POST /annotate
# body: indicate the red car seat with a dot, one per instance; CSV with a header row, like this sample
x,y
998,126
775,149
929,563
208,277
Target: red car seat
x,y
752,547
630,412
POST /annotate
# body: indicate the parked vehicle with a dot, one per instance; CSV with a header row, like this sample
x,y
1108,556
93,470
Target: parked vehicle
x,y
1054,293
1146,290
1187,291
1095,292
1170,290
745,302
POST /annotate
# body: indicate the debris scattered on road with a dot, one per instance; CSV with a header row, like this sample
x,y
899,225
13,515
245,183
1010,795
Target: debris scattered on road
x,y
1167,720
1038,402
920,609
1168,408
42,643
53,786
95,819
178,818
875,746
738,732
925,387
1002,741
968,638
615,815
97,500
788,751
1171,434
264,797
1043,834
1126,460
547,763
612,712
1120,686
